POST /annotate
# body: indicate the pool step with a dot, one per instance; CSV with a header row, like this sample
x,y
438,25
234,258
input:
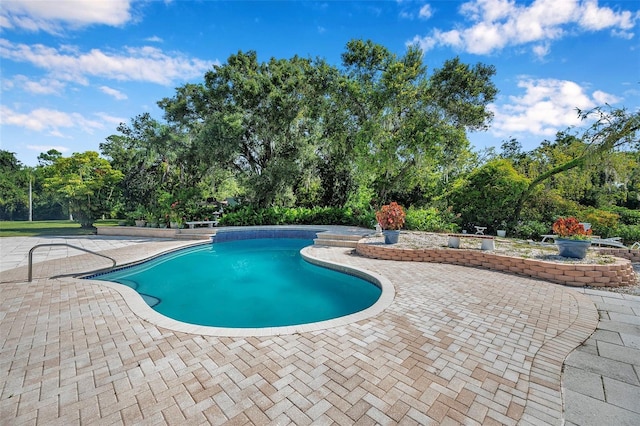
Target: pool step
x,y
337,240
195,234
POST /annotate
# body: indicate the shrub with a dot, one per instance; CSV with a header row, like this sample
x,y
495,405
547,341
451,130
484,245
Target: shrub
x,y
251,216
531,229
430,220
489,194
629,233
627,216
603,223
545,206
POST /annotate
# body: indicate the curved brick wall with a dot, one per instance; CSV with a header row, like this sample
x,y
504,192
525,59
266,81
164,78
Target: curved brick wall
x,y
618,273
632,255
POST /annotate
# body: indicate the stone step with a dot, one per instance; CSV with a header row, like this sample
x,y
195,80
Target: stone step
x,y
187,234
335,243
338,237
337,240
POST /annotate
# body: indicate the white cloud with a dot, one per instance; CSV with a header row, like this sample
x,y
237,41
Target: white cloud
x,y
154,39
48,121
409,12
47,148
110,118
425,12
605,98
55,16
541,50
147,64
597,18
496,24
44,86
546,107
113,92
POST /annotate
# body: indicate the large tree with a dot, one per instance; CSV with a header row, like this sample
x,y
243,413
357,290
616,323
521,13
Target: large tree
x,y
298,130
408,123
85,182
14,184
611,129
255,120
158,164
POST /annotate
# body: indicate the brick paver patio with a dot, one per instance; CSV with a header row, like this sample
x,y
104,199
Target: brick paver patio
x,y
457,345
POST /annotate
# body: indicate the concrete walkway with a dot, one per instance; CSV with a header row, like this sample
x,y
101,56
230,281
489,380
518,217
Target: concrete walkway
x,y
14,251
601,377
458,345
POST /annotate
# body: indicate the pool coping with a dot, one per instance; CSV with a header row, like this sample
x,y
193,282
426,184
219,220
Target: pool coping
x,y
140,308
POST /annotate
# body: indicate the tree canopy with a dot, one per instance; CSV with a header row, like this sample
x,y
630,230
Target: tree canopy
x,y
294,131
302,133
85,182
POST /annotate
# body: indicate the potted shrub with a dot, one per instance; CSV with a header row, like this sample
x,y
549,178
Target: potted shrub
x,y
175,217
391,218
572,239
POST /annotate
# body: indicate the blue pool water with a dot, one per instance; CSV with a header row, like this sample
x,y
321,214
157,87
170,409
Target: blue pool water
x,y
246,284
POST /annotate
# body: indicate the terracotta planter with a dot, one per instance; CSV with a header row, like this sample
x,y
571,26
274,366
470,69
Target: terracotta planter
x,y
391,237
576,249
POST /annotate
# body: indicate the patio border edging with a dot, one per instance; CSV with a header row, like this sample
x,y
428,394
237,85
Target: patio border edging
x,y
618,273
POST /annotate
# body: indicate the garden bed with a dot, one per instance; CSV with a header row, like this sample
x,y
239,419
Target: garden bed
x,y
519,257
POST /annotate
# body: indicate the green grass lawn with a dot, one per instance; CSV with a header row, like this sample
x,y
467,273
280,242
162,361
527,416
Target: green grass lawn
x,y
47,227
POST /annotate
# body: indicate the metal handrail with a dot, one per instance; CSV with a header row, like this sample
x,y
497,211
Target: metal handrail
x,y
61,244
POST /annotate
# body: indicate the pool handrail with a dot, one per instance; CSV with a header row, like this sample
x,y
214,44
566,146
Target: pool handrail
x,y
61,244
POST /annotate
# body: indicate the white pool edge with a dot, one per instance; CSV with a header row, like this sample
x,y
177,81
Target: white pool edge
x,y
141,309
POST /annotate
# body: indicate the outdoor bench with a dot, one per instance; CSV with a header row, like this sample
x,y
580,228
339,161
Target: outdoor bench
x,y
486,244
209,223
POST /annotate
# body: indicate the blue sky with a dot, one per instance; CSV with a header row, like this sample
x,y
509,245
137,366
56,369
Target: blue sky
x,y
71,71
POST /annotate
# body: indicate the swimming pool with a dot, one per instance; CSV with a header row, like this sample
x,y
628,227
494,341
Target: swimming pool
x,y
248,283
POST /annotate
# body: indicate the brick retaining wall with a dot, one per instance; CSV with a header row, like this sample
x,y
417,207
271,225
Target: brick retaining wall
x,y
632,255
618,273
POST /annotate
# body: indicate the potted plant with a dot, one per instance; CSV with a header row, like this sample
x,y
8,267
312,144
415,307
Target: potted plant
x,y
502,232
138,216
572,239
391,218
175,218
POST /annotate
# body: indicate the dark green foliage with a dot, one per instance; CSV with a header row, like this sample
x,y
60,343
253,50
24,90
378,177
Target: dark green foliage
x,y
14,187
406,124
302,133
627,216
629,233
532,230
430,220
85,183
488,196
611,130
251,216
